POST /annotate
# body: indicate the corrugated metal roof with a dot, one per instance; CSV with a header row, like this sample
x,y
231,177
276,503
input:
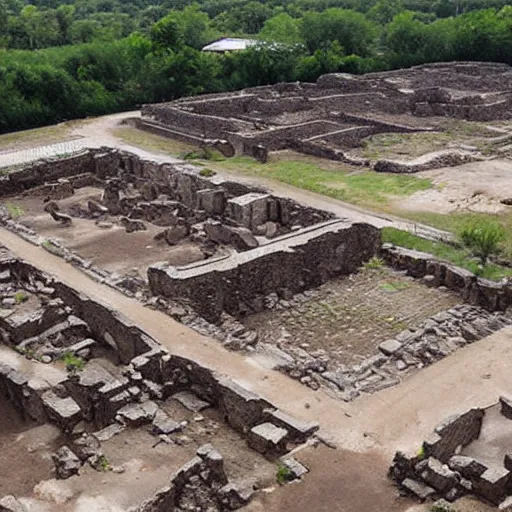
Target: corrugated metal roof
x,y
229,44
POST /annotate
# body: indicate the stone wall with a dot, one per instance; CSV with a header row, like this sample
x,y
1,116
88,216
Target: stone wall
x,y
238,283
323,151
492,295
145,357
203,125
443,470
456,431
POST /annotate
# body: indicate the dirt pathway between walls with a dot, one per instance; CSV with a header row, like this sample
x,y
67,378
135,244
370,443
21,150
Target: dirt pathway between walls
x,y
399,417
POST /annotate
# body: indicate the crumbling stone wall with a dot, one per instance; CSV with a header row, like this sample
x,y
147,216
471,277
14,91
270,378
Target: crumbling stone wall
x,y
491,295
238,283
443,470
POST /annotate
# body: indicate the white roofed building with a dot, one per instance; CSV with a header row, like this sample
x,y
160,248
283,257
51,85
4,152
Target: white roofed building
x,y
229,44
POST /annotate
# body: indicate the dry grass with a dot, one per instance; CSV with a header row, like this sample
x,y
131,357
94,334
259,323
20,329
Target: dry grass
x,y
152,142
38,136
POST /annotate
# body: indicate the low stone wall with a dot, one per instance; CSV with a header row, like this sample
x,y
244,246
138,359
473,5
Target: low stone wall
x,y
324,151
237,284
498,110
427,162
491,295
350,137
456,431
203,125
241,408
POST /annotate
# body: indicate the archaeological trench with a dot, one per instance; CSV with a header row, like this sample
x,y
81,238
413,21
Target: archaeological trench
x,y
297,289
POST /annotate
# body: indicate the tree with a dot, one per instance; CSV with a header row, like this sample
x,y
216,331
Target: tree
x,y
167,33
483,238
384,11
283,29
351,29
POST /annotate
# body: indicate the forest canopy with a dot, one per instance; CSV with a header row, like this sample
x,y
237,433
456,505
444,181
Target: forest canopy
x,y
80,58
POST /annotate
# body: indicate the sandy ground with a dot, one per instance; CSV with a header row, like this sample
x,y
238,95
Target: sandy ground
x,y
396,418
476,187
110,248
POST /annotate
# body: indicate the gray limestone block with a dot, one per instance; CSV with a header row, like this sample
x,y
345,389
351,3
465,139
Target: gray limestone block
x,y
190,401
438,475
506,407
466,466
390,346
66,463
267,438
11,504
419,489
295,467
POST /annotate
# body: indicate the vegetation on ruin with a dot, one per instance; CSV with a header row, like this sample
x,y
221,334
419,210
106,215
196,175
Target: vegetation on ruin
x,y
455,222
442,506
456,254
90,57
72,362
20,297
374,263
15,212
360,187
284,474
482,238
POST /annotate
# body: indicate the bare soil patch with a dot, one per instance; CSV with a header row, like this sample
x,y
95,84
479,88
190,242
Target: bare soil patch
x,y
24,451
476,187
111,248
349,317
338,481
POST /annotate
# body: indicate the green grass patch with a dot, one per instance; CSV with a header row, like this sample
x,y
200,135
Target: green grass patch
x,y
15,212
455,222
284,475
453,254
72,362
20,297
374,263
394,286
361,187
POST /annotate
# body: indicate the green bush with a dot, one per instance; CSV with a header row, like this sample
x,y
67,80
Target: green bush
x,y
483,238
72,362
284,474
20,297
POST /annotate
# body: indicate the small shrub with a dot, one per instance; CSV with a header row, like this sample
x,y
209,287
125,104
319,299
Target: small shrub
x,y
72,362
207,173
442,506
421,452
20,297
374,263
104,464
483,238
15,212
52,248
284,474
198,154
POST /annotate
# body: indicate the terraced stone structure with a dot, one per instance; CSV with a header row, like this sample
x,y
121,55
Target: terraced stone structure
x,y
339,111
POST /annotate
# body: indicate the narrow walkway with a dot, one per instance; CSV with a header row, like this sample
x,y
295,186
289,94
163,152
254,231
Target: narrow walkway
x,y
399,417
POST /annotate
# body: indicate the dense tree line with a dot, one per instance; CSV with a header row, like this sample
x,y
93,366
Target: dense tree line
x,y
91,57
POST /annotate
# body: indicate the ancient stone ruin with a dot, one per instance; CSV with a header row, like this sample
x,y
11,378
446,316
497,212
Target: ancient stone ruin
x,y
262,273
466,454
74,363
333,115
